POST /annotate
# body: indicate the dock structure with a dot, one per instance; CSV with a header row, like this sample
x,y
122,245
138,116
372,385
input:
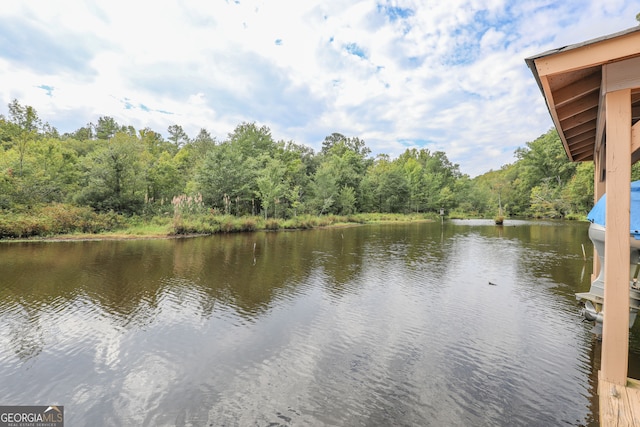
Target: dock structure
x,y
619,405
592,91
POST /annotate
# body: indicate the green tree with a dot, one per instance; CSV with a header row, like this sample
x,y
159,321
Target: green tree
x,y
81,134
25,117
252,140
541,161
54,175
393,190
226,179
325,189
414,173
347,159
113,176
347,200
545,201
107,127
578,193
227,176
163,179
202,143
154,143
271,185
386,187
22,130
177,135
426,175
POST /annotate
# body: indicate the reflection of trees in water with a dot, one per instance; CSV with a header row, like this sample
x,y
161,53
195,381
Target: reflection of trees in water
x,y
130,280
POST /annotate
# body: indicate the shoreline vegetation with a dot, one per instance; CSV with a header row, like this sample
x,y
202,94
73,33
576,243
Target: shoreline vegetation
x,y
62,223
108,180
59,222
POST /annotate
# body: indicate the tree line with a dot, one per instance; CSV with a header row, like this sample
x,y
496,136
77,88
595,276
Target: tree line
x,y
112,167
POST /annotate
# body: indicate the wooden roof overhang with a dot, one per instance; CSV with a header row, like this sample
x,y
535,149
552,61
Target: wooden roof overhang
x,y
592,91
574,80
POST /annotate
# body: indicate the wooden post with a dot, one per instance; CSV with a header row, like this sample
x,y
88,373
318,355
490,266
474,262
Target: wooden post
x,y
598,191
615,333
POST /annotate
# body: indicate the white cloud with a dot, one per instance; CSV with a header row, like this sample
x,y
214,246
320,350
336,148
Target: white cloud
x,y
448,76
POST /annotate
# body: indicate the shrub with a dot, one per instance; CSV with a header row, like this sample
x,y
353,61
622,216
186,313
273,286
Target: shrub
x,y
249,224
272,224
227,226
57,218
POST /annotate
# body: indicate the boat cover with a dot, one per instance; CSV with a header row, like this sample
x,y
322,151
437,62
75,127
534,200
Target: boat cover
x,y
597,214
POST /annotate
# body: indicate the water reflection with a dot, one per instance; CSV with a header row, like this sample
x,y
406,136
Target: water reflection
x,y
383,324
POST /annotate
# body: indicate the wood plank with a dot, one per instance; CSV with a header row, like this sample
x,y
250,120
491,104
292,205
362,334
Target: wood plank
x,y
589,55
579,105
615,325
583,153
598,191
579,140
619,404
585,157
585,127
577,89
580,145
548,95
623,74
601,119
579,119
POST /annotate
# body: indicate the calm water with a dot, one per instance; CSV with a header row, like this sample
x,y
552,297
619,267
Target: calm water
x,y
363,326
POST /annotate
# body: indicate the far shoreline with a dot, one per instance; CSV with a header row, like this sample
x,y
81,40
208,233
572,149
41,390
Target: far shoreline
x,y
125,235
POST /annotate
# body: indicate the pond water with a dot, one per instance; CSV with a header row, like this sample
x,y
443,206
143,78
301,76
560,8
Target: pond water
x,y
462,323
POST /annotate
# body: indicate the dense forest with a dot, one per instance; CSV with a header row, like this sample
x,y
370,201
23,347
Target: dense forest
x,y
110,171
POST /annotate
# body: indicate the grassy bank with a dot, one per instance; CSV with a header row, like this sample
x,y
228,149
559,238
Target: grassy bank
x,y
67,222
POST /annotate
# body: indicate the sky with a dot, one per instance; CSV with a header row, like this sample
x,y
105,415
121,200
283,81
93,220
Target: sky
x,y
441,75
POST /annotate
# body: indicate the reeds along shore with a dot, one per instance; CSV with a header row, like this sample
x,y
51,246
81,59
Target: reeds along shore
x,y
57,220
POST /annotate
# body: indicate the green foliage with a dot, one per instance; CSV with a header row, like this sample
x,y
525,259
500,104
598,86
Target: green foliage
x,y
250,181
113,176
542,183
107,127
177,135
347,200
55,219
271,184
578,193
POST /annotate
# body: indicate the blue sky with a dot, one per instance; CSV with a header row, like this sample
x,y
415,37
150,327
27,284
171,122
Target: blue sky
x,y
443,75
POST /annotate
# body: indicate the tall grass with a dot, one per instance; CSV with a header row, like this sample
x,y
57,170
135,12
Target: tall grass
x,y
190,218
56,219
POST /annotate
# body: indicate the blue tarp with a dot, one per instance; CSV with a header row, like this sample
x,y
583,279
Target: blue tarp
x,y
597,214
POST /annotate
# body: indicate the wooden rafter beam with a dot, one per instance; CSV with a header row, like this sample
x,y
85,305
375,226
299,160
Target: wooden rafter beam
x,y
578,106
578,89
587,136
582,150
586,141
585,157
579,119
585,127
